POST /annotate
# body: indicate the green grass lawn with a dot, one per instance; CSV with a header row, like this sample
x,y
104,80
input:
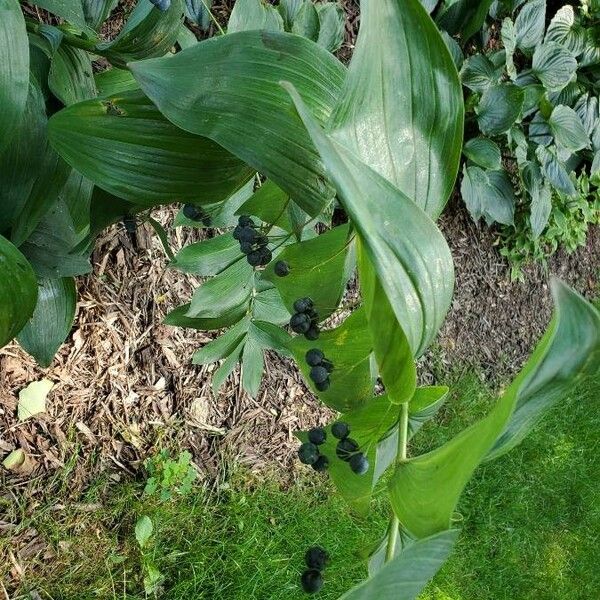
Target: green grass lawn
x,y
530,520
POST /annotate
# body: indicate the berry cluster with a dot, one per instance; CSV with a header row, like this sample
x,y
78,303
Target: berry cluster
x,y
252,243
195,213
309,453
316,560
321,367
347,448
305,319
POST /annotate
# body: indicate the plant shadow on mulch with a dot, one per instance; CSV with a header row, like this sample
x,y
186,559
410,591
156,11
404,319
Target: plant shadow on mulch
x,y
125,385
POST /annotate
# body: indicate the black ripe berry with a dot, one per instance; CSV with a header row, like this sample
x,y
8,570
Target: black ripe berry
x,y
262,240
247,234
319,374
312,334
246,247
340,430
300,323
359,463
236,232
327,364
281,268
245,221
265,255
317,436
313,314
321,464
323,386
254,258
316,558
192,212
314,357
345,448
303,305
312,581
308,453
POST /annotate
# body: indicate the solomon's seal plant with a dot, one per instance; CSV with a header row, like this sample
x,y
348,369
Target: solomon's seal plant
x,y
266,132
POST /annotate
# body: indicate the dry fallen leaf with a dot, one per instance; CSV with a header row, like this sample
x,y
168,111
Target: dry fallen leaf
x,y
32,399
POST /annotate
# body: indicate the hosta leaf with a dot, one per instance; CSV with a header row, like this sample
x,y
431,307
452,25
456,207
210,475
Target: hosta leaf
x,y
199,90
71,10
565,30
406,575
351,382
483,152
332,19
14,69
500,106
591,51
454,48
409,253
568,129
541,207
539,130
148,32
51,321
488,194
320,266
425,490
306,22
97,11
115,81
198,12
224,292
416,149
464,17
18,291
77,196
248,15
530,24
288,9
125,146
209,257
509,39
553,65
479,73
71,78
555,170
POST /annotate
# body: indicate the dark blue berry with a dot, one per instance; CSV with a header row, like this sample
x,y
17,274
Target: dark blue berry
x,y
314,357
340,430
359,463
317,436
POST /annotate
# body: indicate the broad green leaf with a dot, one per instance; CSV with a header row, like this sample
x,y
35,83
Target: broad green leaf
x,y
51,321
71,78
248,15
198,11
455,50
143,530
252,366
77,195
401,109
97,11
409,253
424,405
568,129
267,305
499,107
51,247
591,51
20,161
148,32
424,490
479,73
509,39
530,24
112,82
391,348
209,257
125,146
406,575
483,152
178,318
14,69
18,291
553,65
541,197
332,20
306,22
488,194
319,267
565,30
223,293
351,381
71,10
199,89
288,9
272,337
32,399
555,170
222,346
464,17
539,130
